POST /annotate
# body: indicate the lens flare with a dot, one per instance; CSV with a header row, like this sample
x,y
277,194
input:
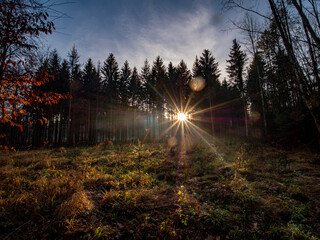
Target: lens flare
x,y
254,116
172,141
197,84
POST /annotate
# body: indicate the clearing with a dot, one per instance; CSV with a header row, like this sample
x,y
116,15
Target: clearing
x,y
231,190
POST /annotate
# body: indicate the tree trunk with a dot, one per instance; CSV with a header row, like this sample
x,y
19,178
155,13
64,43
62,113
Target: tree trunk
x,y
245,116
310,98
69,124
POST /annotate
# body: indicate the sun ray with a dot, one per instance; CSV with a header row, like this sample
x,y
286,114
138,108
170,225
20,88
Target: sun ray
x,y
210,145
173,103
216,106
175,134
168,129
188,102
196,104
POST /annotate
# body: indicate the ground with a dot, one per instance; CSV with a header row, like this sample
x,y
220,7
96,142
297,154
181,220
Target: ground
x,y
232,189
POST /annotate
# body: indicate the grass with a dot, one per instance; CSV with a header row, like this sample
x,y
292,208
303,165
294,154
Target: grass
x,y
235,190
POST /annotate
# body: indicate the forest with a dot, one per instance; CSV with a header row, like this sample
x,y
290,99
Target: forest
x,y
102,151
269,95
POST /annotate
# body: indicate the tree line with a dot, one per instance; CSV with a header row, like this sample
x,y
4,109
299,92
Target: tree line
x,y
122,104
271,93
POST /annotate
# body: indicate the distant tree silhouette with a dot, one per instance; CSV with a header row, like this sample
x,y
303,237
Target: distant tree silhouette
x,y
183,77
124,82
110,78
74,108
235,68
91,88
208,70
145,76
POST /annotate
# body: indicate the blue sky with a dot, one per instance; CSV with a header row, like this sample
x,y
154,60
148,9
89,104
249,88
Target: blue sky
x,y
136,30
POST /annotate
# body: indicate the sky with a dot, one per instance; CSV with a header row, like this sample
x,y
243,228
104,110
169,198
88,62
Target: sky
x,y
136,30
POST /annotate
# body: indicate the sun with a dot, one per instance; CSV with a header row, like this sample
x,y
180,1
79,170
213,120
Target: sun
x,y
182,116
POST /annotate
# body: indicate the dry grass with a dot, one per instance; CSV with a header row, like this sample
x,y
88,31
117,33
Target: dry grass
x,y
235,191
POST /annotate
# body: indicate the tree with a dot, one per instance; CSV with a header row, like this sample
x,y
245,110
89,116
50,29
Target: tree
x,y
134,89
22,22
309,93
235,71
297,23
91,88
171,94
110,72
253,83
156,83
196,71
110,88
74,115
52,111
64,88
135,96
145,76
183,77
208,70
237,59
124,82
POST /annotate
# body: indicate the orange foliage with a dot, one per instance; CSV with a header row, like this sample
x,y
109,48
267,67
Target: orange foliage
x,y
20,23
17,92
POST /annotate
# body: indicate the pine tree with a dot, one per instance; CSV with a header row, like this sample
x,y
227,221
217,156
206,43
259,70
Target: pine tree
x,y
135,95
255,78
196,68
182,79
125,76
208,70
134,89
111,91
146,90
157,82
110,72
171,93
91,86
54,70
64,88
74,108
91,81
235,71
237,59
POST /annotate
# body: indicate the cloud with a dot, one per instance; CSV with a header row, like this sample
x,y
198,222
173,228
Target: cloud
x,y
173,36
146,29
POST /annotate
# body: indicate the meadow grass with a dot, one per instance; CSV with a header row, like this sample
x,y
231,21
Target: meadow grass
x,y
236,190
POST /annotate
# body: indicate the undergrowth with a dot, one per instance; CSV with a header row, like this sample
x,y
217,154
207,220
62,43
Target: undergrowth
x,y
231,190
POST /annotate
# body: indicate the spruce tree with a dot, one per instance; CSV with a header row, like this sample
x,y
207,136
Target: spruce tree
x,y
110,72
157,81
255,79
125,76
196,68
91,88
183,76
145,76
74,108
207,68
237,59
134,89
